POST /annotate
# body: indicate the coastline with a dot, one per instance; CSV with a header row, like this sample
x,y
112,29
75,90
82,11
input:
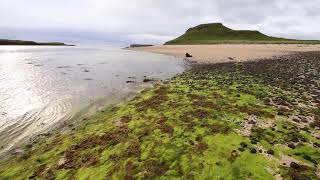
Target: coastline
x,y
102,80
75,119
217,53
200,118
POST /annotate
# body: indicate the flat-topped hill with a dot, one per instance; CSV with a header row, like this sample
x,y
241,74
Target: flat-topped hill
x,y
217,33
32,43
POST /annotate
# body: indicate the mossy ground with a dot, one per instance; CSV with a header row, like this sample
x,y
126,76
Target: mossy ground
x,y
253,120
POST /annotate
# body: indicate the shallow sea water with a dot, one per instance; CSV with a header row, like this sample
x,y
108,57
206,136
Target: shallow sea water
x,y
41,86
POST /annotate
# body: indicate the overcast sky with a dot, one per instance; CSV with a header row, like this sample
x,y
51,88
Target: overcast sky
x,y
152,21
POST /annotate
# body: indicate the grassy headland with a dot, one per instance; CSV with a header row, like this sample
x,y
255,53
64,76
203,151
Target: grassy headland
x,y
217,33
251,120
30,43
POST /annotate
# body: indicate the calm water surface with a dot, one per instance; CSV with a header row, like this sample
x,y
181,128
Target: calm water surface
x,y
40,86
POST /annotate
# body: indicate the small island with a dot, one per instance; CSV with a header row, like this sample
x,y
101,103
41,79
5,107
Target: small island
x,y
30,43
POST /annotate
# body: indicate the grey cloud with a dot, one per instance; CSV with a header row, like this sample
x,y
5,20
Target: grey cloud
x,y
155,20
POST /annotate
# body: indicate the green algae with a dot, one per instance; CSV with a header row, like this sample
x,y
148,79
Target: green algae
x,y
192,128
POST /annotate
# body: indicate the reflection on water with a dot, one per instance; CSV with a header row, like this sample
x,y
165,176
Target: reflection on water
x,y
41,85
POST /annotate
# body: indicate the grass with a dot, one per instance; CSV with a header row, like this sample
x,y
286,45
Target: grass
x,y
217,33
192,128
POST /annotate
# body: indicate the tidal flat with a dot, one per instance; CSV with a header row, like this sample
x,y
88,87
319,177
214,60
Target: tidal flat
x,y
232,120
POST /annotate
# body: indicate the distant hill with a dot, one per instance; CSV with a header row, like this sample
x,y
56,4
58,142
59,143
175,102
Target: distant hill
x,y
19,42
139,45
217,33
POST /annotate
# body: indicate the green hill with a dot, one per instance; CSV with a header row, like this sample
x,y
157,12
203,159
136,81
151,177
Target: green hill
x,y
217,33
30,43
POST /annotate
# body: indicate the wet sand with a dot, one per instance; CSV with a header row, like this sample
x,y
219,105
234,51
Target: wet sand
x,y
228,52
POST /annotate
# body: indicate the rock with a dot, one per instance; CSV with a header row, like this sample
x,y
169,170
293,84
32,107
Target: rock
x,y
305,120
307,157
17,151
253,141
316,145
306,129
303,139
241,149
251,122
253,151
33,176
243,144
296,119
294,165
147,80
291,145
295,139
270,151
188,55
61,163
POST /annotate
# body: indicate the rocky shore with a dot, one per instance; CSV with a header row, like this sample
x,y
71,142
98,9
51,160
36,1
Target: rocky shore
x,y
233,120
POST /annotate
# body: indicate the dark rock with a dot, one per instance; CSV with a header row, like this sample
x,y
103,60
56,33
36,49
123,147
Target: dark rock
x,y
306,129
251,122
307,157
188,55
253,141
130,82
295,139
270,151
316,145
147,80
291,145
296,119
33,176
253,151
294,165
303,139
241,149
243,144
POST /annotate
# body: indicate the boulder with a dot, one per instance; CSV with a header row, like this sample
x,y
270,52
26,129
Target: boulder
x,y
188,55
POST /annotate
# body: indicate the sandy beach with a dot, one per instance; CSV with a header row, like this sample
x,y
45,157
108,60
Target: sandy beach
x,y
228,52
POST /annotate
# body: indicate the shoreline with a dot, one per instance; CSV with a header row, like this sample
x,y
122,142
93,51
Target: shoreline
x,y
116,81
77,117
219,53
227,116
